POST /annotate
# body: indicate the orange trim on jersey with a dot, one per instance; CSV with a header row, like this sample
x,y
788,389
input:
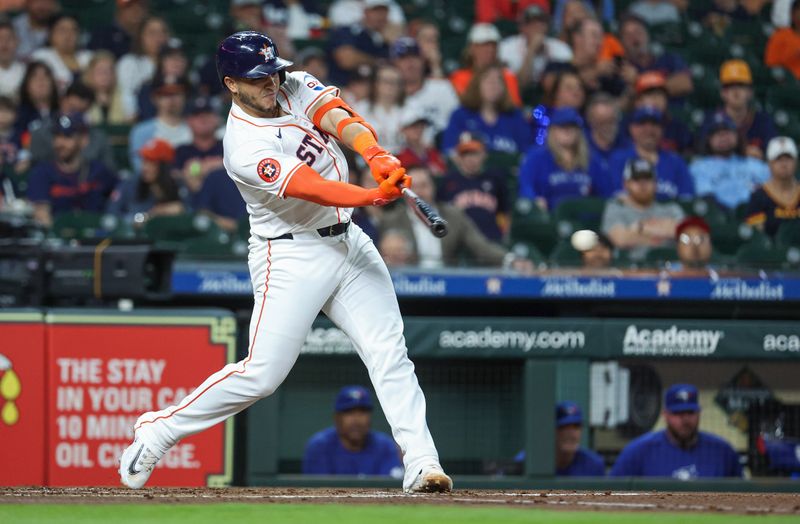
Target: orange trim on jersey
x,y
324,92
249,352
335,164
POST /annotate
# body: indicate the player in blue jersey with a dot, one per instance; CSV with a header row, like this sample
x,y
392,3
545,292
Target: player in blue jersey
x,y
350,447
680,451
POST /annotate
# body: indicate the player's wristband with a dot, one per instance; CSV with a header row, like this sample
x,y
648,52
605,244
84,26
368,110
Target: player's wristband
x,y
363,142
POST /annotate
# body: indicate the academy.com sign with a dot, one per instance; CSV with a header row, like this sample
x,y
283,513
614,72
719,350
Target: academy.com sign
x,y
489,338
671,341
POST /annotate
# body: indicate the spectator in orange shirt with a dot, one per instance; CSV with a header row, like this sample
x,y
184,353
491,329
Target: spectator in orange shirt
x,y
482,52
783,48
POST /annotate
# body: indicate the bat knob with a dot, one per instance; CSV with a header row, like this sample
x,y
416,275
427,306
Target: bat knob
x,y
439,229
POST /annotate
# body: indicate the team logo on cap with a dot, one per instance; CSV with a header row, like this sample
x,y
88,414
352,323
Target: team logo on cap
x,y
268,170
267,52
683,395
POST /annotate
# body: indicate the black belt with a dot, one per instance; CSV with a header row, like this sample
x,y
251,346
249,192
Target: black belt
x,y
330,231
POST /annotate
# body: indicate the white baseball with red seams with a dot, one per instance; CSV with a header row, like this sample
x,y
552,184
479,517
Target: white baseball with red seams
x,y
294,279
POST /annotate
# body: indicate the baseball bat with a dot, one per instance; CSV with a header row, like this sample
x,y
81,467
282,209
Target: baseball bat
x,y
425,212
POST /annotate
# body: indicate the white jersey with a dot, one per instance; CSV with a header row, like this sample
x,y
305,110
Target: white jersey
x,y
262,154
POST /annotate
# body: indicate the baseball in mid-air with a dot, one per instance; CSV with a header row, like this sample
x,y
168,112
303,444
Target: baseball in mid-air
x,y
584,240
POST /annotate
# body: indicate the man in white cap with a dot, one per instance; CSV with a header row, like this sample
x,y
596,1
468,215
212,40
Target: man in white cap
x,y
778,199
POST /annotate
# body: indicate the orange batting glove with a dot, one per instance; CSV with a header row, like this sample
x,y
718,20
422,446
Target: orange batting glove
x,y
381,163
391,188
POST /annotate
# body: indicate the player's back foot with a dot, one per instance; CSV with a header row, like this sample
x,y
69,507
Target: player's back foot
x,y
137,463
430,479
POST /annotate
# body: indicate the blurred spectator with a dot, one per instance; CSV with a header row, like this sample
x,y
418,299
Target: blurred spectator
x,y
586,39
720,13
76,101
681,450
603,133
31,26
635,40
220,199
384,107
169,97
417,149
755,127
488,11
778,199
62,55
359,44
301,17
119,36
599,255
11,69
693,237
781,14
562,90
350,12
70,182
561,169
312,60
396,249
655,12
463,237
138,66
151,191
651,91
646,130
634,220
433,97
723,172
528,52
481,52
351,447
487,109
567,12
101,77
429,48
195,160
782,46
477,190
13,158
38,96
357,88
172,62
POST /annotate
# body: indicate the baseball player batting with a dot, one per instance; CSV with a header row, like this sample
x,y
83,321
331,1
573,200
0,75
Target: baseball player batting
x,y
305,256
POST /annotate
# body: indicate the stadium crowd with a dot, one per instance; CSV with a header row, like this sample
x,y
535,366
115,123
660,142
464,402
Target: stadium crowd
x,y
522,120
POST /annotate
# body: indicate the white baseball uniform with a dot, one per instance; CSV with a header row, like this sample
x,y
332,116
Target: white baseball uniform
x,y
294,278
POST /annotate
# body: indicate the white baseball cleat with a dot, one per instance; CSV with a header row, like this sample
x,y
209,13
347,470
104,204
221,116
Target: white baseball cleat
x,y
431,479
137,463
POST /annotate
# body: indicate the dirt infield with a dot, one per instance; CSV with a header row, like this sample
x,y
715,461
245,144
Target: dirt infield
x,y
742,503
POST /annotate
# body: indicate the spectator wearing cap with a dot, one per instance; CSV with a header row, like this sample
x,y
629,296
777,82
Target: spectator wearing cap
x,y
383,108
195,160
359,44
572,460
650,90
151,191
172,63
635,221
481,52
488,110
464,241
32,25
350,446
635,39
528,52
433,97
723,172
69,182
417,147
778,199
101,77
62,54
563,89
169,97
693,238
782,47
11,68
118,37
755,127
479,192
137,67
302,19
646,130
598,255
603,131
560,170
681,450
76,101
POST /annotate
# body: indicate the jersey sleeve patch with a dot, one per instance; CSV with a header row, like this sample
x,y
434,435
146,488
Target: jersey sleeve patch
x,y
268,170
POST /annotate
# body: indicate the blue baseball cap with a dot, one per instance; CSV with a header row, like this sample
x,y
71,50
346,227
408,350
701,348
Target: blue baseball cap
x,y
647,114
566,116
719,122
680,398
567,413
352,397
69,124
404,46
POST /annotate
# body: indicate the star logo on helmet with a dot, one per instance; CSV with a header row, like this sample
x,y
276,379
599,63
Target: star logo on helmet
x,y
267,52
